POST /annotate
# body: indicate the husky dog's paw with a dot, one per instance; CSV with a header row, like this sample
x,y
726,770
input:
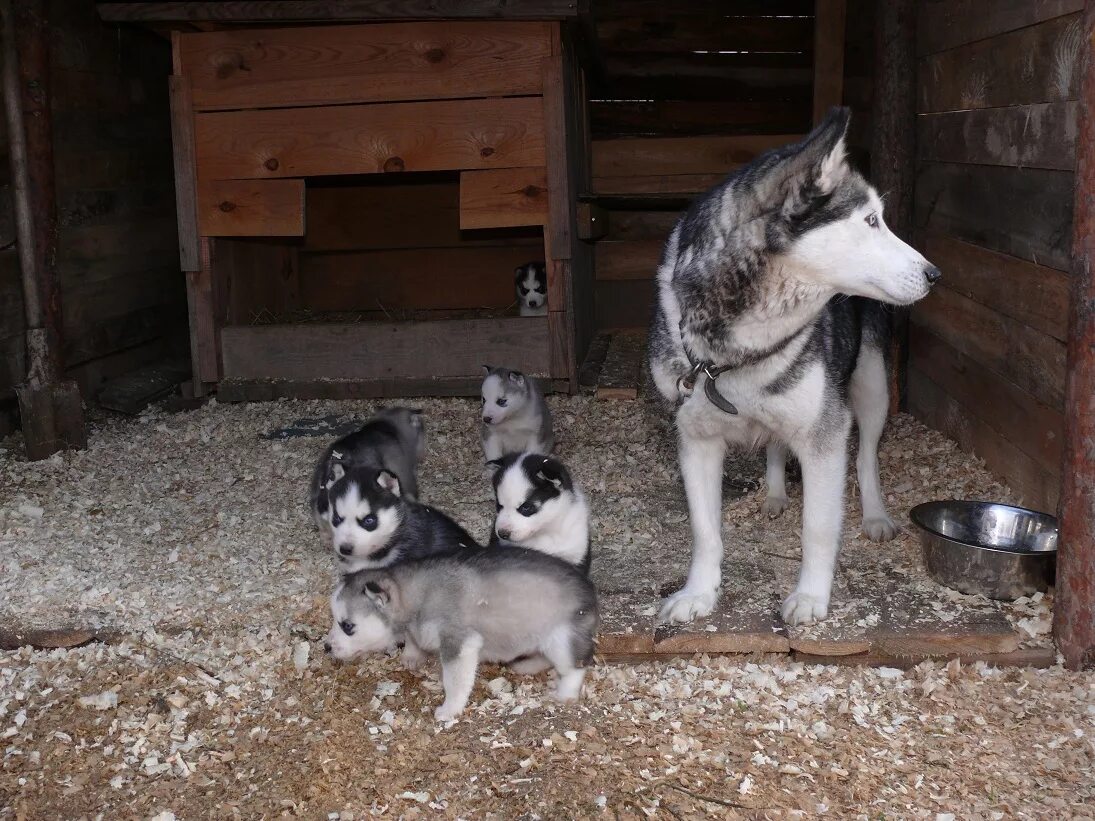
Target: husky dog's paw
x,y
773,506
447,712
530,666
412,659
569,687
804,608
688,604
879,528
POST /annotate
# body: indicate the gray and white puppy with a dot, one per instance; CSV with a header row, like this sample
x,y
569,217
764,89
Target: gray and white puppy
x,y
482,605
530,285
515,416
394,439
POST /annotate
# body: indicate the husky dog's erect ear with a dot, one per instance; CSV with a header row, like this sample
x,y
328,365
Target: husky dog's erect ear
x,y
486,369
378,592
389,481
494,463
517,378
823,159
335,471
554,472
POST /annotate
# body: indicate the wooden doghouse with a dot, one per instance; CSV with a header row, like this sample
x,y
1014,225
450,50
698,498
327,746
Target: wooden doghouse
x,y
282,136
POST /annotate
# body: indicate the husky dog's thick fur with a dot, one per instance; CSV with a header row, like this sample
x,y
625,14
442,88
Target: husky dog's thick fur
x,y
530,285
394,439
515,416
373,525
769,282
483,605
541,508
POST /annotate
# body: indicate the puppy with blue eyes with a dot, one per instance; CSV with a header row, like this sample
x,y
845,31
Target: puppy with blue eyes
x,y
530,285
515,416
372,524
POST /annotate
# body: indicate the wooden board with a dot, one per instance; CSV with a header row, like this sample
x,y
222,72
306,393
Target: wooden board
x,y
1031,359
671,34
672,117
829,27
630,259
1038,64
624,303
1032,294
659,190
370,139
251,208
944,24
1037,488
271,390
299,11
1034,428
384,350
644,225
654,156
1030,136
726,77
201,304
257,278
503,198
622,371
1024,212
267,68
426,279
186,200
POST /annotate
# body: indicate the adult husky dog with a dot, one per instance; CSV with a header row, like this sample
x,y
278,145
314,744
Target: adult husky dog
x,y
766,331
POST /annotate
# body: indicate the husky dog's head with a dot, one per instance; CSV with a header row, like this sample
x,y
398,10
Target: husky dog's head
x,y
534,494
358,624
364,511
828,228
505,393
530,284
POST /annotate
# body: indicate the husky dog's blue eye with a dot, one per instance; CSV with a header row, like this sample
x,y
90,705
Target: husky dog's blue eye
x,y
368,522
501,402
872,220
336,520
347,627
527,509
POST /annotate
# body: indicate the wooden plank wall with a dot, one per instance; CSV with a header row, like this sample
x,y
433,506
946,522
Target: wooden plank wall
x,y
996,134
117,260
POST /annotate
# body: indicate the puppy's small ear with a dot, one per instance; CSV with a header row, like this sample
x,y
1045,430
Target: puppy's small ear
x,y
377,592
486,369
335,472
494,463
389,481
554,472
520,269
517,378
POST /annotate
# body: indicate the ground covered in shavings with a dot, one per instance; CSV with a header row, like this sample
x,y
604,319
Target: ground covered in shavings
x,y
184,540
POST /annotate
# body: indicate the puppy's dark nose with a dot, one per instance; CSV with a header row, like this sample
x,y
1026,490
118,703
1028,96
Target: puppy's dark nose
x,y
346,549
488,419
326,647
932,274
503,533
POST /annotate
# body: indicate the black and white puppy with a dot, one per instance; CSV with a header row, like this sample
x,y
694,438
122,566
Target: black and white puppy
x,y
541,508
530,284
373,524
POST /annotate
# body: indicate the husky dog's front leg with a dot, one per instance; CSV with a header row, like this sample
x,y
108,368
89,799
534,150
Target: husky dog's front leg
x,y
775,476
459,661
823,471
701,467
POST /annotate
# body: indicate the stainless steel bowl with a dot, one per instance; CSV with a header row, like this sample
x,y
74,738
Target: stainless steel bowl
x,y
999,551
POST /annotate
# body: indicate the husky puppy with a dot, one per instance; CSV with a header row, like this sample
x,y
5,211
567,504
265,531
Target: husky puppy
x,y
373,525
768,329
467,607
540,507
530,284
393,439
515,416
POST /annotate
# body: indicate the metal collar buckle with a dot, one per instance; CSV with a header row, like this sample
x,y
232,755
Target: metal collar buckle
x,y
687,384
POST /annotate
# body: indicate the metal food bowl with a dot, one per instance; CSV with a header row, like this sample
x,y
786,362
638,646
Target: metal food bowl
x,y
999,551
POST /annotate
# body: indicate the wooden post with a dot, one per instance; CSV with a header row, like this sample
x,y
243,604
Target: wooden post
x,y
829,17
1074,610
50,409
893,150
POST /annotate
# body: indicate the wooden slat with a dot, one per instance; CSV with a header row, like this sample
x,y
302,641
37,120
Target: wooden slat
x,y
251,208
1023,212
1032,294
615,9
655,225
257,278
266,68
708,76
370,139
829,16
671,187
1030,136
384,350
944,24
1036,487
560,341
676,34
630,118
1031,426
412,279
1039,64
635,259
1029,358
203,331
622,372
290,11
503,198
186,198
557,231
656,156
269,390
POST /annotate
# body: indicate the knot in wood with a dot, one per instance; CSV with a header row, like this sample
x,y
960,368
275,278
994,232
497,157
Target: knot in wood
x,y
532,190
393,164
272,164
486,151
434,55
227,206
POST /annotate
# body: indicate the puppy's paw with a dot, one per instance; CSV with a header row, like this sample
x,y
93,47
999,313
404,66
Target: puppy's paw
x,y
773,506
530,666
879,528
447,712
804,608
688,604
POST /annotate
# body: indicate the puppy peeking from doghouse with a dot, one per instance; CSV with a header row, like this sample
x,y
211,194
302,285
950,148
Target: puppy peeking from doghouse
x,y
530,285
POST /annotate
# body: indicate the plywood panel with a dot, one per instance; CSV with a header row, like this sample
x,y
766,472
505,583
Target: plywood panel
x,y
945,24
264,68
251,208
1030,136
503,198
369,350
371,139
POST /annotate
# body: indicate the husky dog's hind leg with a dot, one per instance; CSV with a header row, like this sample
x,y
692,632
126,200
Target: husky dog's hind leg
x,y
459,661
870,402
775,477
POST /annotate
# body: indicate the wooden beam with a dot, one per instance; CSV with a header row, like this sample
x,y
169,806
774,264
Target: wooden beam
x,y
251,208
1074,610
503,198
829,16
186,180
289,11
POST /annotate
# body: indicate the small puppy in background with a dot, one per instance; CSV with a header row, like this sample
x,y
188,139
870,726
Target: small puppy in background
x,y
471,606
530,284
394,439
515,416
541,508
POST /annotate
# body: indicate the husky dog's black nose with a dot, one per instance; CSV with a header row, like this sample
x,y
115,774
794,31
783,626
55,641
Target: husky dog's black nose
x,y
488,419
503,534
326,647
346,549
932,274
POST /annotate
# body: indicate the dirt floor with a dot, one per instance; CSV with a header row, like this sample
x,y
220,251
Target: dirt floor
x,y
183,541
